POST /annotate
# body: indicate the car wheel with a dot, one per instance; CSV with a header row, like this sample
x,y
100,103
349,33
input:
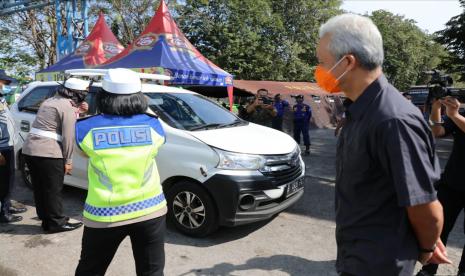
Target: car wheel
x,y
191,209
25,172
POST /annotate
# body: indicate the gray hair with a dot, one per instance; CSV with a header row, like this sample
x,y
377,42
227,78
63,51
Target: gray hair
x,y
357,35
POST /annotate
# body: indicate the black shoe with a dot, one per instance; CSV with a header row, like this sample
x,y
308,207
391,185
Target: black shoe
x,y
10,218
65,227
17,210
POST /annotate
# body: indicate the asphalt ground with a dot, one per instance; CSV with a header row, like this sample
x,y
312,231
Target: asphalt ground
x,y
298,241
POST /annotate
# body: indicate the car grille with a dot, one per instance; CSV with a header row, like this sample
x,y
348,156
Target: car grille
x,y
282,169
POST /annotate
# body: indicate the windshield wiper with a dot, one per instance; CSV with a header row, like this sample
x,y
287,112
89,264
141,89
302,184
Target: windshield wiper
x,y
237,122
206,126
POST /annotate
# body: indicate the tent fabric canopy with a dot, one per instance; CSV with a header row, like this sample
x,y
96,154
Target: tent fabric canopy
x,y
163,49
99,46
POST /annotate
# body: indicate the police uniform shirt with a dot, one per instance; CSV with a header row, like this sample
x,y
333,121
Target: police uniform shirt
x,y
453,176
302,112
385,163
280,106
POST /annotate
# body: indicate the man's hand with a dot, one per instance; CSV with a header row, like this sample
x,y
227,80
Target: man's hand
x,y
452,106
439,256
2,160
68,169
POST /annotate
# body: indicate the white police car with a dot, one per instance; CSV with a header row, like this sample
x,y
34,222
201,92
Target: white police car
x,y
215,168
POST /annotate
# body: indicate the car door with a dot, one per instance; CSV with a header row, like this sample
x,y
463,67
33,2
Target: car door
x,y
26,109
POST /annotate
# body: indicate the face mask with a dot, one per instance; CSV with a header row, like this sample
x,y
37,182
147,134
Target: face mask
x,y
6,89
326,80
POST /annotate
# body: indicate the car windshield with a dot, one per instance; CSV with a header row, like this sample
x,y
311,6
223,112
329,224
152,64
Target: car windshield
x,y
191,111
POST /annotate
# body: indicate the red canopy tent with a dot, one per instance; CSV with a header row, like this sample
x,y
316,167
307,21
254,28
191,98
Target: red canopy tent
x,y
163,49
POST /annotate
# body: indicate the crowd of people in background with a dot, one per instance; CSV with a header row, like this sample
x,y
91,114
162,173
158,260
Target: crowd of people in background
x,y
269,111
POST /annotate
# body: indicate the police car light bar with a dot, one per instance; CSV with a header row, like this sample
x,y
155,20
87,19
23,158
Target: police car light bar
x,y
102,72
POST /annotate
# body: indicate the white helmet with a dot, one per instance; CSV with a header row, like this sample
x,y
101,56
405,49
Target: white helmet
x,y
76,84
121,81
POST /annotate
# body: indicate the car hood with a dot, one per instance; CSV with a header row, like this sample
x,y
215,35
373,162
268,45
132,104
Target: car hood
x,y
251,139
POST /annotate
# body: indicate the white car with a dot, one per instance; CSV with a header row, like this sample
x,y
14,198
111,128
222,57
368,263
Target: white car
x,y
215,168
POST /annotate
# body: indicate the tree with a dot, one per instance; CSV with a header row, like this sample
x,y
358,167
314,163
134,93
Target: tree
x,y
28,39
453,38
263,40
128,18
408,50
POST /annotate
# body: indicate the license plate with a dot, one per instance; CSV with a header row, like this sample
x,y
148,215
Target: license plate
x,y
294,187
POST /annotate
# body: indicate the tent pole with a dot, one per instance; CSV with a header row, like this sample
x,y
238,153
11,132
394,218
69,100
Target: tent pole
x,y
230,96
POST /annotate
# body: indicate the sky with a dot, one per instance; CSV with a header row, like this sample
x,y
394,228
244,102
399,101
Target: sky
x,y
430,15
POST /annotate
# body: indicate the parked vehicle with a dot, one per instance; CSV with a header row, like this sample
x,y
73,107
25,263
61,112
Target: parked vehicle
x,y
215,168
419,94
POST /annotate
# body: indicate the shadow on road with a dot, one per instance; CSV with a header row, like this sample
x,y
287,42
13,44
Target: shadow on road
x,y
291,265
317,201
222,235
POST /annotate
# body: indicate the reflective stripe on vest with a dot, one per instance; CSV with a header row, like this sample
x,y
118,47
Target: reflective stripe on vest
x,y
104,180
124,209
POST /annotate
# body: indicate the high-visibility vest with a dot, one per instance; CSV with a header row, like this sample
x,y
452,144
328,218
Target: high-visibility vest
x,y
122,172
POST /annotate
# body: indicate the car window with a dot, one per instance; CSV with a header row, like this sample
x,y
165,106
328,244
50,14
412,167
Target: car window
x,y
32,101
191,111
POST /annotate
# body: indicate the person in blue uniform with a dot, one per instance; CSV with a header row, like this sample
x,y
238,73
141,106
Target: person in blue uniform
x,y
302,115
280,106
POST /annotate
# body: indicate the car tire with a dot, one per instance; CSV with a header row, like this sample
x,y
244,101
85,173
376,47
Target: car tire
x,y
191,209
25,172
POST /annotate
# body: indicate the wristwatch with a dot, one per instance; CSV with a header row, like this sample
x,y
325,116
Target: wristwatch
x,y
432,123
429,250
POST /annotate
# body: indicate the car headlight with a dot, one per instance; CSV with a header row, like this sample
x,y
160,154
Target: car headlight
x,y
239,161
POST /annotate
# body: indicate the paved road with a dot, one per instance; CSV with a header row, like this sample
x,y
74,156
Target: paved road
x,y
299,241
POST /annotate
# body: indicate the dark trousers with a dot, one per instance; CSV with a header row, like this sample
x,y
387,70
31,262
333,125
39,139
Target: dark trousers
x,y
47,175
277,123
453,202
301,127
7,179
99,245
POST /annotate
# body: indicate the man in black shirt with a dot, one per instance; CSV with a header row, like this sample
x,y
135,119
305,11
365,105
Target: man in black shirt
x,y
451,187
387,214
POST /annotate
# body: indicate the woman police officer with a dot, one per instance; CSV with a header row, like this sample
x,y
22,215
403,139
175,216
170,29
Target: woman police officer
x,y
48,150
124,197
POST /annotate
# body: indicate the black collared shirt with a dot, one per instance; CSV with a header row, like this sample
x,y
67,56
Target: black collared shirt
x,y
385,162
453,173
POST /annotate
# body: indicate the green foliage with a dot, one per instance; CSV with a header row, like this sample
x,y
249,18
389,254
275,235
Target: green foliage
x,y
408,50
262,40
453,38
252,39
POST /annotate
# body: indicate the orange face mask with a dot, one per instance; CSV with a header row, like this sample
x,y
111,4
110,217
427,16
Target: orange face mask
x,y
326,80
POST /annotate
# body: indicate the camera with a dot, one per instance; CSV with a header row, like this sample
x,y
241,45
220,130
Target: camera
x,y
439,87
266,100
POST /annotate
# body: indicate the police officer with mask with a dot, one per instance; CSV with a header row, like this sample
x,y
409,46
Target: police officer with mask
x,y
125,197
48,150
302,116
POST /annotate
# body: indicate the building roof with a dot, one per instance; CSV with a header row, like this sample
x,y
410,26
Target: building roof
x,y
278,87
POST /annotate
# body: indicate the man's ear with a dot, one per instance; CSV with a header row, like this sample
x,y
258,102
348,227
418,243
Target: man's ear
x,y
352,61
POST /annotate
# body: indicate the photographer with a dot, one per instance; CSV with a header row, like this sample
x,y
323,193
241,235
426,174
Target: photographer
x,y
451,188
261,110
